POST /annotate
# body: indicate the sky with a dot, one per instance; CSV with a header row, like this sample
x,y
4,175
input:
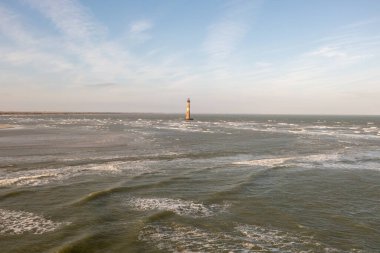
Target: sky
x,y
236,56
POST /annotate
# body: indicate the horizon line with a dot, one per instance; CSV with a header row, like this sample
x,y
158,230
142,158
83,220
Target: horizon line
x,y
175,113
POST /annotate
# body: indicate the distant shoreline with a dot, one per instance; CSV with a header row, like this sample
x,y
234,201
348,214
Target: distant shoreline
x,y
54,113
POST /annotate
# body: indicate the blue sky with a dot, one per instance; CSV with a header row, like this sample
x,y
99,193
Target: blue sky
x,y
278,57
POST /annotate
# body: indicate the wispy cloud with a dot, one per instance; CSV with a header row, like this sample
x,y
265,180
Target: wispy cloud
x,y
81,53
362,23
326,70
226,33
12,27
26,48
139,31
140,26
328,52
223,38
75,53
345,51
71,18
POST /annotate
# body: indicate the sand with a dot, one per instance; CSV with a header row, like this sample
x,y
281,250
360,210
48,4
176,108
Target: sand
x,y
4,126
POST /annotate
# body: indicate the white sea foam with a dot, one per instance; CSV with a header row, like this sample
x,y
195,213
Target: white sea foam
x,y
19,222
185,128
319,158
339,161
293,160
370,129
297,131
178,206
317,130
174,238
244,238
267,162
287,124
44,176
341,133
273,240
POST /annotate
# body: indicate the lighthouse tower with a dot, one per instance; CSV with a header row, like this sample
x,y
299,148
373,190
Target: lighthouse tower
x,y
188,110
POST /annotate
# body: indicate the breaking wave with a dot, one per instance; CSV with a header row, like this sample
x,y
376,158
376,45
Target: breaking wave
x,y
178,206
45,176
347,161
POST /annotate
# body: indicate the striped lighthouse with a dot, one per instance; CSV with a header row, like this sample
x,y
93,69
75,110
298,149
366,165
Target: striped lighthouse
x,y
188,110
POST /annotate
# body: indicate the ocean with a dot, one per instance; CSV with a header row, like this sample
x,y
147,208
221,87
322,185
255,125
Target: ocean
x,y
220,183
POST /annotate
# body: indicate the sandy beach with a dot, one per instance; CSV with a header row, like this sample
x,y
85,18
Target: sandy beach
x,y
5,126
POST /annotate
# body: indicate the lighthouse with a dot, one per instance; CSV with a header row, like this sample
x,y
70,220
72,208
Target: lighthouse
x,y
188,110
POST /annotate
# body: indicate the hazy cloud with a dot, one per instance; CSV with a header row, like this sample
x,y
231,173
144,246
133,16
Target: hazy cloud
x,y
101,85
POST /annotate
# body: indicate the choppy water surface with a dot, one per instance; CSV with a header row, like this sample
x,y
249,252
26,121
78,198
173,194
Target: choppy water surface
x,y
154,183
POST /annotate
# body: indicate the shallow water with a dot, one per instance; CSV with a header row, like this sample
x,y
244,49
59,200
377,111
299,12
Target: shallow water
x,y
221,183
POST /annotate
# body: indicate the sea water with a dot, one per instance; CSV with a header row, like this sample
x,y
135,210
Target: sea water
x,y
220,183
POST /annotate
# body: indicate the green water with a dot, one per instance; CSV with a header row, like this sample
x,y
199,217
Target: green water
x,y
221,183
